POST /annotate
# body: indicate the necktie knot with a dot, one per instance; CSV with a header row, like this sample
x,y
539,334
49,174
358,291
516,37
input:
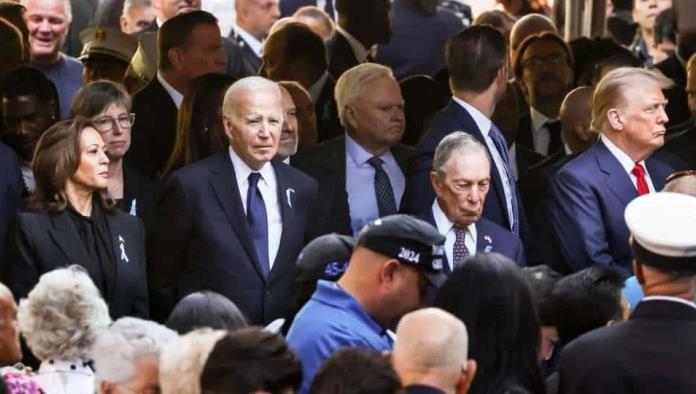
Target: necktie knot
x,y
459,232
641,182
254,178
638,170
375,162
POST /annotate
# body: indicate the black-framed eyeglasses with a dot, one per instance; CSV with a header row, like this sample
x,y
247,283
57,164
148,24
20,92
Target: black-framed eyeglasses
x,y
106,124
537,62
679,174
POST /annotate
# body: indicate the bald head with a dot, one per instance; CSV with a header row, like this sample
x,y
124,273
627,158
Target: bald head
x,y
529,25
576,117
684,184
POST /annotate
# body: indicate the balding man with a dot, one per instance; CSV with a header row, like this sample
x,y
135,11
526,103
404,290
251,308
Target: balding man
x,y
682,138
590,192
238,218
433,361
527,26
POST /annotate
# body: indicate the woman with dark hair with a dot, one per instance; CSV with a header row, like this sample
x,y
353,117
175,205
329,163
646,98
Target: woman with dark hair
x,y
489,294
108,106
74,221
205,309
199,129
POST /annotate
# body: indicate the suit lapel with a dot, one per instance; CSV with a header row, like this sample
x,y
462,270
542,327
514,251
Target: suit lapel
x,y
224,183
524,133
287,199
65,236
617,180
658,172
484,240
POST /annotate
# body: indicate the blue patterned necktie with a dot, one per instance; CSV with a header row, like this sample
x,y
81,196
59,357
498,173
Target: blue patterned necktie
x,y
258,222
383,189
501,146
459,251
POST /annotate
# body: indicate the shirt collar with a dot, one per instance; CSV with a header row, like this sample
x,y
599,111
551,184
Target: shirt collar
x,y
442,222
254,44
670,299
482,122
316,88
620,155
242,170
538,119
330,293
177,97
358,48
359,155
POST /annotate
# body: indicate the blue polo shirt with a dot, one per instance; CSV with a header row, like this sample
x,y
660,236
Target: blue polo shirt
x,y
331,320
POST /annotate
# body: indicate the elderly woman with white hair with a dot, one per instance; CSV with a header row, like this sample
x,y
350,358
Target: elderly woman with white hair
x,y
126,356
60,320
182,361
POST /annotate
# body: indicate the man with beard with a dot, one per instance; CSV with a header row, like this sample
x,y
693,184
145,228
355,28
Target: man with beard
x,y
543,68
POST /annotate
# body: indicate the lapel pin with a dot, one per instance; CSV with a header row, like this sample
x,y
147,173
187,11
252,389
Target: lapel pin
x,y
489,241
122,246
288,193
133,208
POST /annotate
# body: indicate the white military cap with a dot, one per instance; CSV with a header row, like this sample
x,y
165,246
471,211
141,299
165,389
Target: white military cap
x,y
663,228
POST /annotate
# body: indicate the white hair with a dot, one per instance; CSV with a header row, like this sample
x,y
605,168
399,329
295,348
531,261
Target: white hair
x,y
457,142
116,349
182,361
62,315
67,8
245,85
350,85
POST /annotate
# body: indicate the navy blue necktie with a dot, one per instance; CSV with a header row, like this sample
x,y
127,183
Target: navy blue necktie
x,y
501,146
258,222
329,8
383,189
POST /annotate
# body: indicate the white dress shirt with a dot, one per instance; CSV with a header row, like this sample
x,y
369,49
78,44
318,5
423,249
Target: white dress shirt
x,y
446,228
268,186
484,124
254,44
360,181
627,163
358,48
177,97
541,136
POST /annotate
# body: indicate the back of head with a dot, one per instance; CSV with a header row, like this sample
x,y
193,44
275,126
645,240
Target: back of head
x,y
474,58
182,361
251,360
176,33
529,25
423,97
205,309
590,52
586,300
541,280
499,19
355,371
489,294
325,26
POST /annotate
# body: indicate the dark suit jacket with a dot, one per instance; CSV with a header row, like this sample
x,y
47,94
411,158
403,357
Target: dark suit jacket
x,y
251,60
526,139
41,242
202,242
588,198
326,163
341,55
11,190
140,195
678,105
154,130
419,194
525,158
490,237
326,110
653,352
288,7
681,141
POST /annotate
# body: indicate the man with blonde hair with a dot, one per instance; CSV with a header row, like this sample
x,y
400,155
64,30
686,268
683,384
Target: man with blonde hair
x,y
366,163
433,361
591,191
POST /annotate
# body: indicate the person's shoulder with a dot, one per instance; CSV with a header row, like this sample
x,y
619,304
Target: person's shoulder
x,y
319,154
198,171
582,164
598,342
485,225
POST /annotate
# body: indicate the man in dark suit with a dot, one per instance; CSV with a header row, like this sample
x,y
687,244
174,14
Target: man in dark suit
x,y
365,167
184,47
478,78
295,53
254,19
682,138
543,69
461,179
238,219
362,24
11,190
590,192
654,351
288,7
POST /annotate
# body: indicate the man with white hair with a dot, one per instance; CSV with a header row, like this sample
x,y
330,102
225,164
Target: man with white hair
x,y
367,163
590,192
238,220
48,22
433,361
126,356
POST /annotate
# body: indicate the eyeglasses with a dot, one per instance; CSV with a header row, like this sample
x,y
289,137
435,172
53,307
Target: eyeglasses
x,y
106,124
679,174
537,62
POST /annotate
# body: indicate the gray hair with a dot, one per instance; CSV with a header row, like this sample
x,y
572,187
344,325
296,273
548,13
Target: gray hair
x,y
128,4
248,84
455,142
67,9
116,349
350,85
182,361
62,315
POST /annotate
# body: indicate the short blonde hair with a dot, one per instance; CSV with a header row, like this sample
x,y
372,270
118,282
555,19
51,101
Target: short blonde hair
x,y
62,315
350,85
610,90
182,361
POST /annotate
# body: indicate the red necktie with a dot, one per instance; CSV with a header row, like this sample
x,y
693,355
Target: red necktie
x,y
641,183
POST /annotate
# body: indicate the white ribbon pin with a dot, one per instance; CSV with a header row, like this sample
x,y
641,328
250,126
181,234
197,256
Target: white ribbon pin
x,y
122,246
288,194
489,241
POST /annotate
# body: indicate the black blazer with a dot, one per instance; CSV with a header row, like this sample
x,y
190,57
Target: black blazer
x,y
140,196
681,141
326,163
678,104
108,14
154,130
525,158
41,242
251,60
526,139
326,110
653,352
11,190
341,55
202,242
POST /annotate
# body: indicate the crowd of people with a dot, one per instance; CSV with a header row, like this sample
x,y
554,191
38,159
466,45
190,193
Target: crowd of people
x,y
346,196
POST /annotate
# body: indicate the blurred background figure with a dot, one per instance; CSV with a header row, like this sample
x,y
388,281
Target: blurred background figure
x,y
183,359
304,111
356,371
205,309
423,97
106,53
319,21
644,14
